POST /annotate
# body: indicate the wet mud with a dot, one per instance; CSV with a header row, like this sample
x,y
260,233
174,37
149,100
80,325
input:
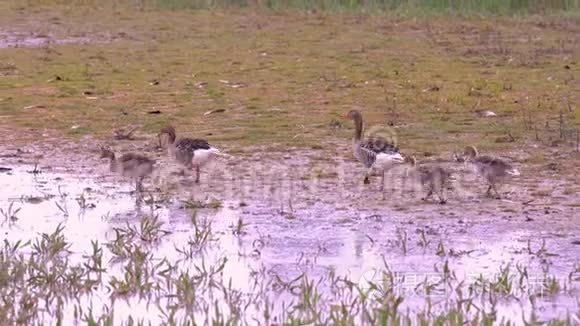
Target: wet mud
x,y
305,212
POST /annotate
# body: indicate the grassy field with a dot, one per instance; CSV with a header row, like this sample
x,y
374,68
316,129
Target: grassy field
x,y
287,77
399,7
280,74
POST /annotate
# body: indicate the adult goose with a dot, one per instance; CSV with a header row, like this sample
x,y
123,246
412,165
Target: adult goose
x,y
190,152
374,152
130,165
494,170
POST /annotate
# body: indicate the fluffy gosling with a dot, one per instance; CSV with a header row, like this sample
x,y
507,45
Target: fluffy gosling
x,y
130,165
494,170
433,179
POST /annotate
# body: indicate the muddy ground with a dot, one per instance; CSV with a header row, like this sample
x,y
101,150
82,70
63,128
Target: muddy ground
x,y
291,199
306,211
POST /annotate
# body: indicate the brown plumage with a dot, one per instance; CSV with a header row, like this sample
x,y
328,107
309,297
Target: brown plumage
x,y
374,152
494,170
434,179
130,165
376,144
190,152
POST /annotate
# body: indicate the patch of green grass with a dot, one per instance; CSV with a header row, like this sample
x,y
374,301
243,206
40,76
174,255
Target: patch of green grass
x,y
196,204
401,7
294,83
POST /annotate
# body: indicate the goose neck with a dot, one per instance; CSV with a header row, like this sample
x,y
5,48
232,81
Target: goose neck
x,y
358,128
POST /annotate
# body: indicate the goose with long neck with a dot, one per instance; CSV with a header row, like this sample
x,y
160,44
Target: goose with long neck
x,y
494,170
130,165
374,152
435,179
190,152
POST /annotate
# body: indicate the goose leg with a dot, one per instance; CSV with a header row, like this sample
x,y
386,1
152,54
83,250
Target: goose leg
x,y
367,179
187,166
383,181
497,195
441,193
197,174
429,194
488,193
441,196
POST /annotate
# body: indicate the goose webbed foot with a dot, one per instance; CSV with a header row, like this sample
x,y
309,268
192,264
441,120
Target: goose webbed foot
x,y
488,192
442,199
428,196
366,180
492,192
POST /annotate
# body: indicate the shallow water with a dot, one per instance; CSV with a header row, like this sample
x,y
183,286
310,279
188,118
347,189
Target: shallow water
x,y
317,237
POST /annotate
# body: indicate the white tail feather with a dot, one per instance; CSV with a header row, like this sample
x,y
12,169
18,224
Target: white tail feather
x,y
513,172
218,152
385,160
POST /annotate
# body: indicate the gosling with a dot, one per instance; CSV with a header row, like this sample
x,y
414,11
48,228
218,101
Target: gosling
x,y
434,179
130,165
494,170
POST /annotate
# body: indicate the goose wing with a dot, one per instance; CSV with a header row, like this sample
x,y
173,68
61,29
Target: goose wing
x,y
380,145
190,145
365,156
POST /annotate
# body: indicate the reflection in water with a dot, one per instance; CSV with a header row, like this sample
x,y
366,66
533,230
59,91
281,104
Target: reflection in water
x,y
256,237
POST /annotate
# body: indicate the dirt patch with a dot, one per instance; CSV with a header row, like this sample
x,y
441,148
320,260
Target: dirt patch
x,y
8,40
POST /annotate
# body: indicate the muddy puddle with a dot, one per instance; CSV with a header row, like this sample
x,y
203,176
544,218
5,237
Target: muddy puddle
x,y
271,221
16,39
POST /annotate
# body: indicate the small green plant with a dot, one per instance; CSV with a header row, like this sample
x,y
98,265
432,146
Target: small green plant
x,y
83,203
503,283
441,249
10,214
196,243
51,245
62,206
551,285
402,239
423,241
238,229
196,204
